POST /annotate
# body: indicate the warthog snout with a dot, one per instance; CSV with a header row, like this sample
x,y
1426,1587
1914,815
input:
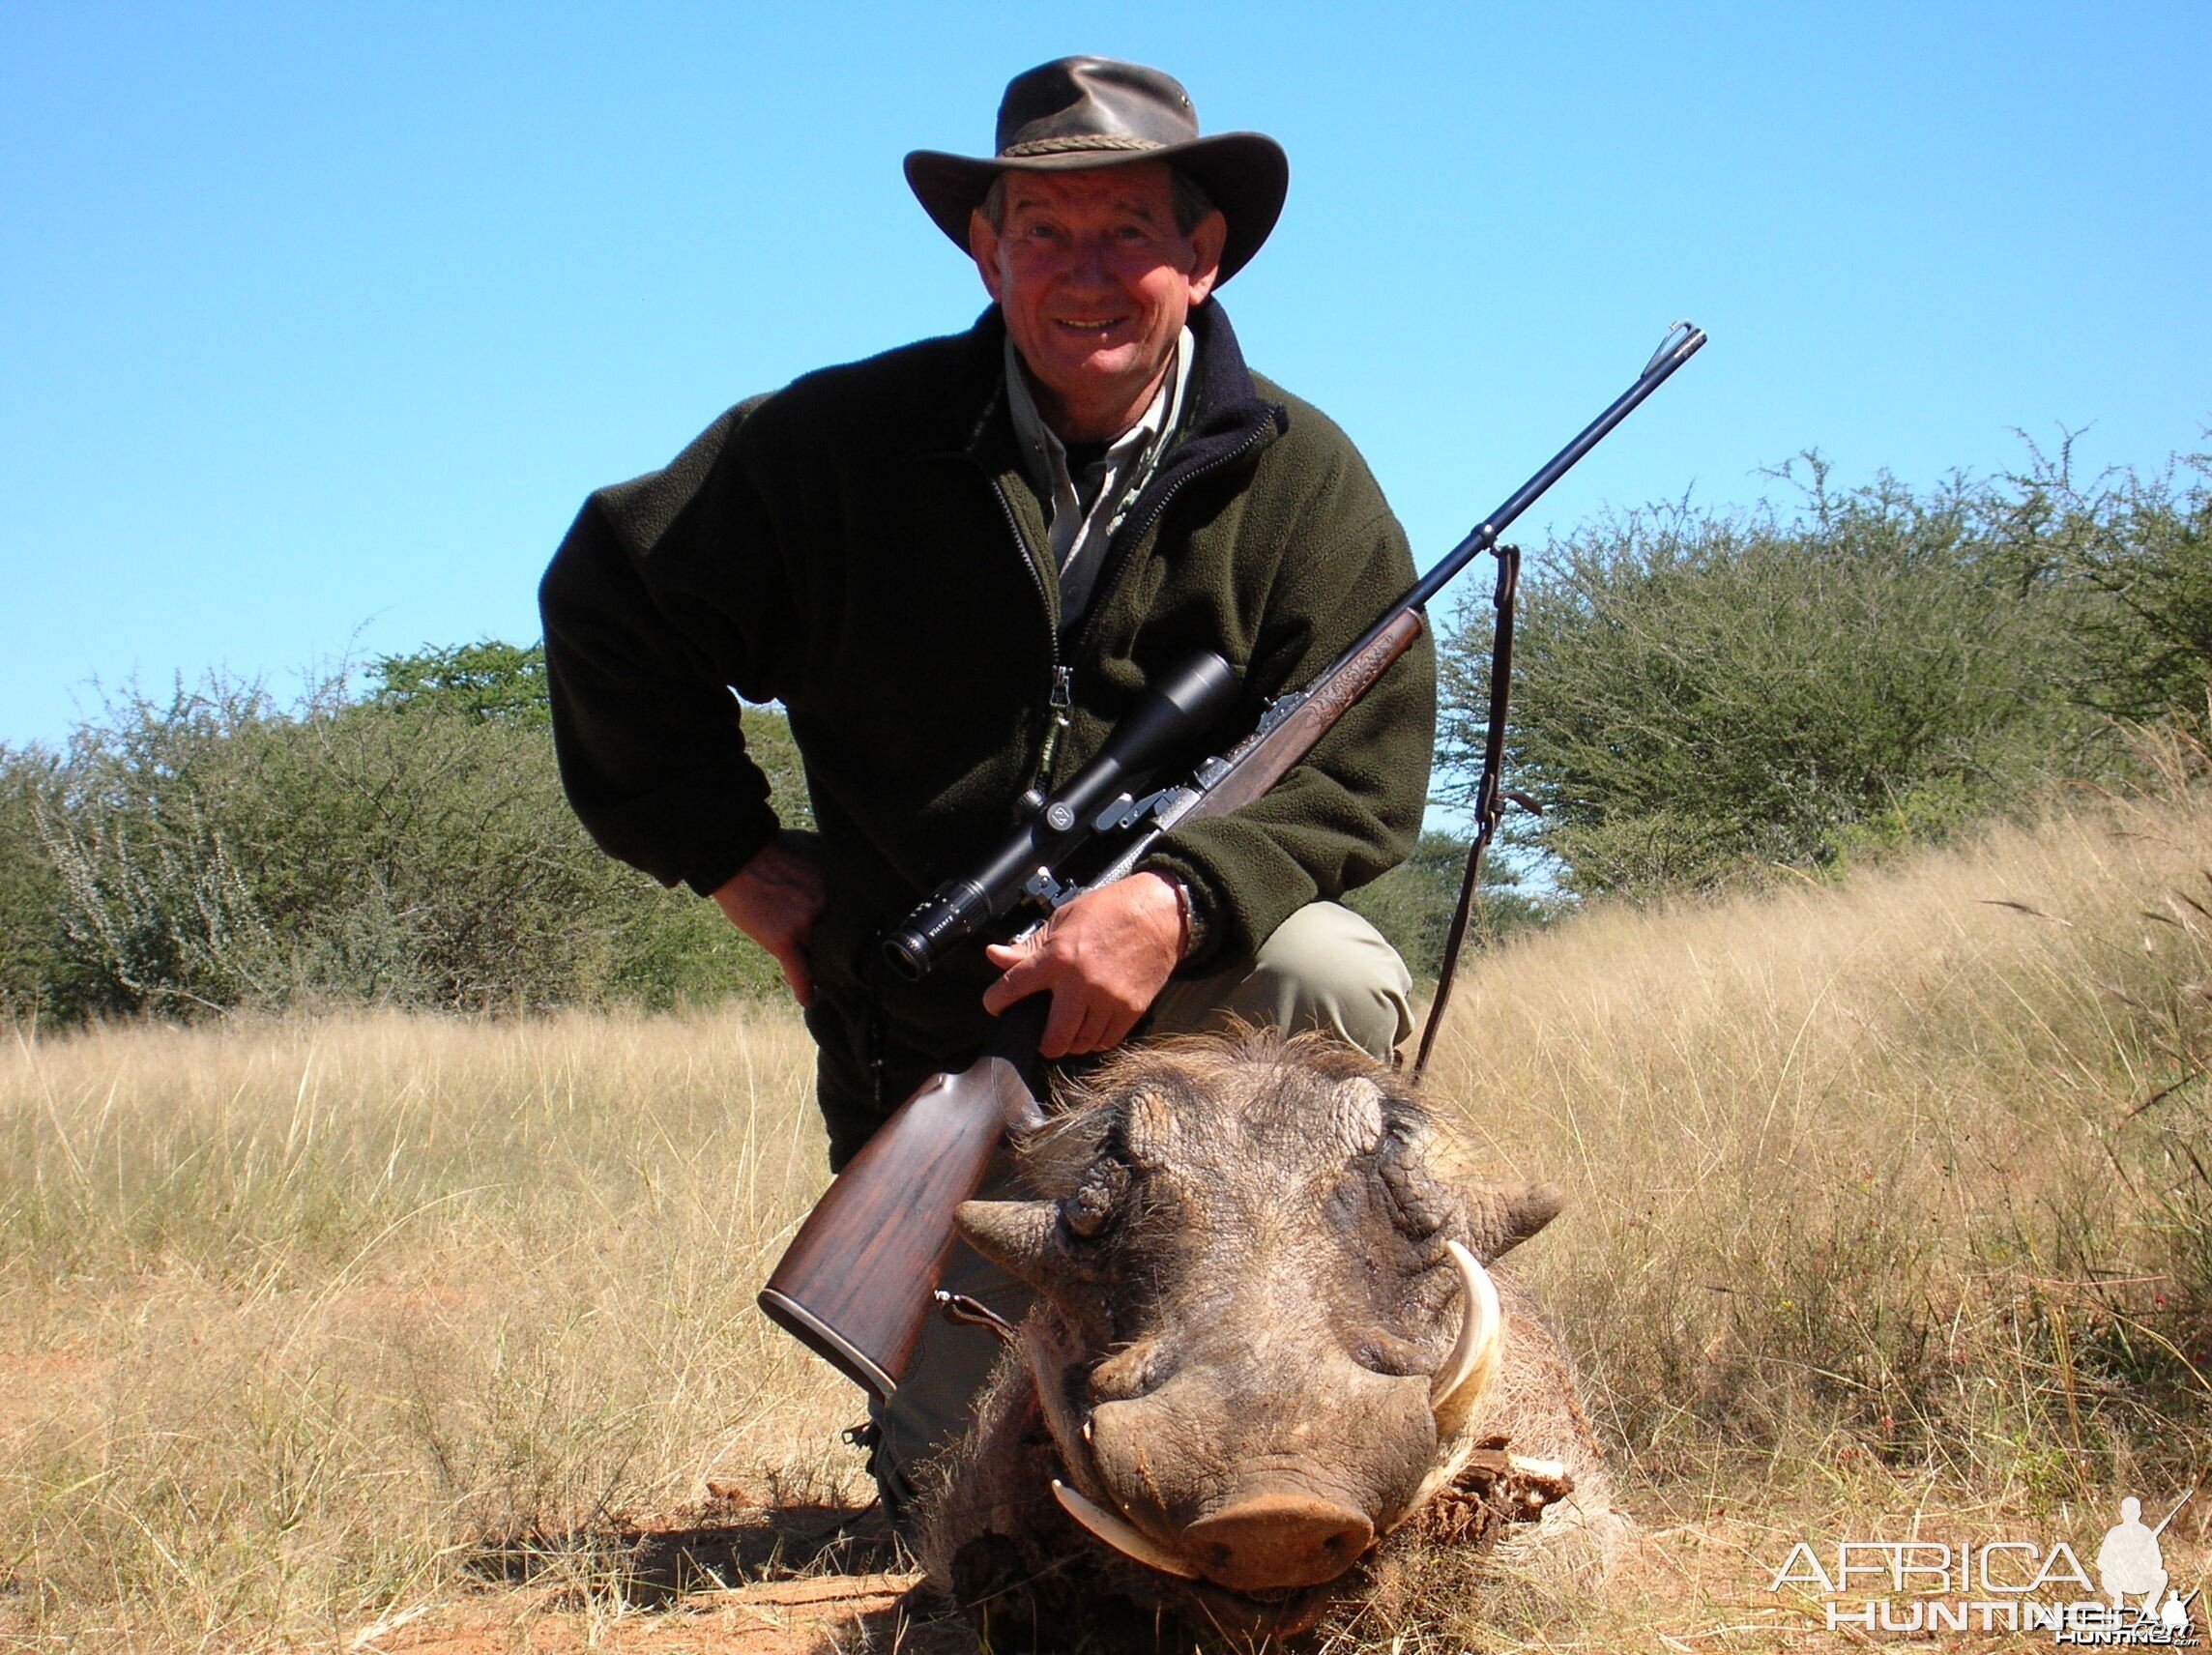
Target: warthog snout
x,y
1276,1540
1279,1481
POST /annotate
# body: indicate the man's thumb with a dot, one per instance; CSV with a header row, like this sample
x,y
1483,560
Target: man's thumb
x,y
1021,951
797,977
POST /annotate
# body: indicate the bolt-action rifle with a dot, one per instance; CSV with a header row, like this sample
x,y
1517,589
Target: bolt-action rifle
x,y
856,1284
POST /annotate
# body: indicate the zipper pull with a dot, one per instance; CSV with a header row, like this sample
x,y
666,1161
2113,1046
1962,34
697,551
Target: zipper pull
x,y
1060,700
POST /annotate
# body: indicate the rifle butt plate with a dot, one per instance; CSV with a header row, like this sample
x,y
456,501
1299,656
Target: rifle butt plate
x,y
825,1340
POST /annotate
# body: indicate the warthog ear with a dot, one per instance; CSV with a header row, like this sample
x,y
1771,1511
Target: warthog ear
x,y
1024,1238
1149,1127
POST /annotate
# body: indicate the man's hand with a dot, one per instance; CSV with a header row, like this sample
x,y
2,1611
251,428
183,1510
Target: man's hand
x,y
1102,958
774,899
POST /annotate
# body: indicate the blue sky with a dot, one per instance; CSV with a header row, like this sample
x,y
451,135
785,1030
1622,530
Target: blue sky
x,y
318,321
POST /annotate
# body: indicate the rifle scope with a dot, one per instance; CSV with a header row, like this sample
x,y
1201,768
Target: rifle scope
x,y
1177,709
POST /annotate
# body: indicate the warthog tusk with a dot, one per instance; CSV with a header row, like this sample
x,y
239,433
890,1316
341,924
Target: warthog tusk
x,y
1474,1357
1540,1470
1120,1534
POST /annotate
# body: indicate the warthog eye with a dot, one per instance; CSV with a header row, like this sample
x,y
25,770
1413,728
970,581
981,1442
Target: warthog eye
x,y
1091,1207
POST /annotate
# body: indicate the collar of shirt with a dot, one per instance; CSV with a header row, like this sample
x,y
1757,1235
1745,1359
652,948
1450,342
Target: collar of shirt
x,y
1086,509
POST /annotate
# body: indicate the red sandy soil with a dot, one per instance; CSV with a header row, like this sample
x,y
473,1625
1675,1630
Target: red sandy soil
x,y
776,1617
736,1578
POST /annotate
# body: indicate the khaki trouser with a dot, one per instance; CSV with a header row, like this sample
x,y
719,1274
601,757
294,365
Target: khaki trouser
x,y
1324,967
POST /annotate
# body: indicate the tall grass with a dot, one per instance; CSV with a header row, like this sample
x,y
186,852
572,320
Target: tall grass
x,y
301,1317
300,1321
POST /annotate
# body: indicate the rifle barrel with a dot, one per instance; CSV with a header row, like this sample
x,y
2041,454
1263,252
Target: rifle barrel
x,y
2174,1512
1670,356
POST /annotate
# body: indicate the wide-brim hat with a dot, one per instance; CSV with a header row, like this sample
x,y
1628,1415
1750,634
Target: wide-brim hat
x,y
1082,112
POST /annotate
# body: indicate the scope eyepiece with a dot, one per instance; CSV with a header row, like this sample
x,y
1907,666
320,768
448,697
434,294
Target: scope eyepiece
x,y
910,955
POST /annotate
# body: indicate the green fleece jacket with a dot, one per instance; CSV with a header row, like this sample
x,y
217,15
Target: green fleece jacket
x,y
865,547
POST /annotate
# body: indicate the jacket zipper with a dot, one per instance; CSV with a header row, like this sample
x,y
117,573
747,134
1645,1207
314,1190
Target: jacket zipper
x,y
1060,697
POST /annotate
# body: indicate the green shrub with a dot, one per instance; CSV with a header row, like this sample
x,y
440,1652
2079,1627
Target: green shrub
x,y
489,679
1701,695
212,850
2136,553
33,957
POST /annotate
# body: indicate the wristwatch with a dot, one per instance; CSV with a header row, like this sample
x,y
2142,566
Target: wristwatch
x,y
1187,910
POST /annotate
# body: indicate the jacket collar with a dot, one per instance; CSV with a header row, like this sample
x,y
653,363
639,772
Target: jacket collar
x,y
1228,404
1228,417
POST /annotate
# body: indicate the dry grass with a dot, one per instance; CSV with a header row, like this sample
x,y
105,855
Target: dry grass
x,y
301,1319
1874,1228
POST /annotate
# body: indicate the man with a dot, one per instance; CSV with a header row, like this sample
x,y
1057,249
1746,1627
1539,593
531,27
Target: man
x,y
957,565
2129,1561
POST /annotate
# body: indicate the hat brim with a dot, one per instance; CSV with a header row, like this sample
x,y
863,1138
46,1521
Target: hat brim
x,y
1246,175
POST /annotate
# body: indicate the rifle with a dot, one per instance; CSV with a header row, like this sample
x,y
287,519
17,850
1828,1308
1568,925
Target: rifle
x,y
856,1282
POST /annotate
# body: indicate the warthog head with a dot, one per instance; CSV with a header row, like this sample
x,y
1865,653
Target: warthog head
x,y
1265,1324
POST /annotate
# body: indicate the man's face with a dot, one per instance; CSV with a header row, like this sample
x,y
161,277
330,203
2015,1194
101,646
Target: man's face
x,y
1095,280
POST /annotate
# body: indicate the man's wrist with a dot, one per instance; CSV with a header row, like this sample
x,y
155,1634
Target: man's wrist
x,y
1188,920
1160,901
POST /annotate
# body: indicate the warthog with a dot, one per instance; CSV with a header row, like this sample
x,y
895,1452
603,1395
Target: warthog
x,y
1265,1343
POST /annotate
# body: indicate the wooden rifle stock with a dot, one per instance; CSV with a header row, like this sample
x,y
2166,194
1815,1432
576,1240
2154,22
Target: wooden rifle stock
x,y
854,1284
1271,755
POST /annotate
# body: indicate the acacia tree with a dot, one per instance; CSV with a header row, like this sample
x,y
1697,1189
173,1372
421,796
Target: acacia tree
x,y
33,956
2138,551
